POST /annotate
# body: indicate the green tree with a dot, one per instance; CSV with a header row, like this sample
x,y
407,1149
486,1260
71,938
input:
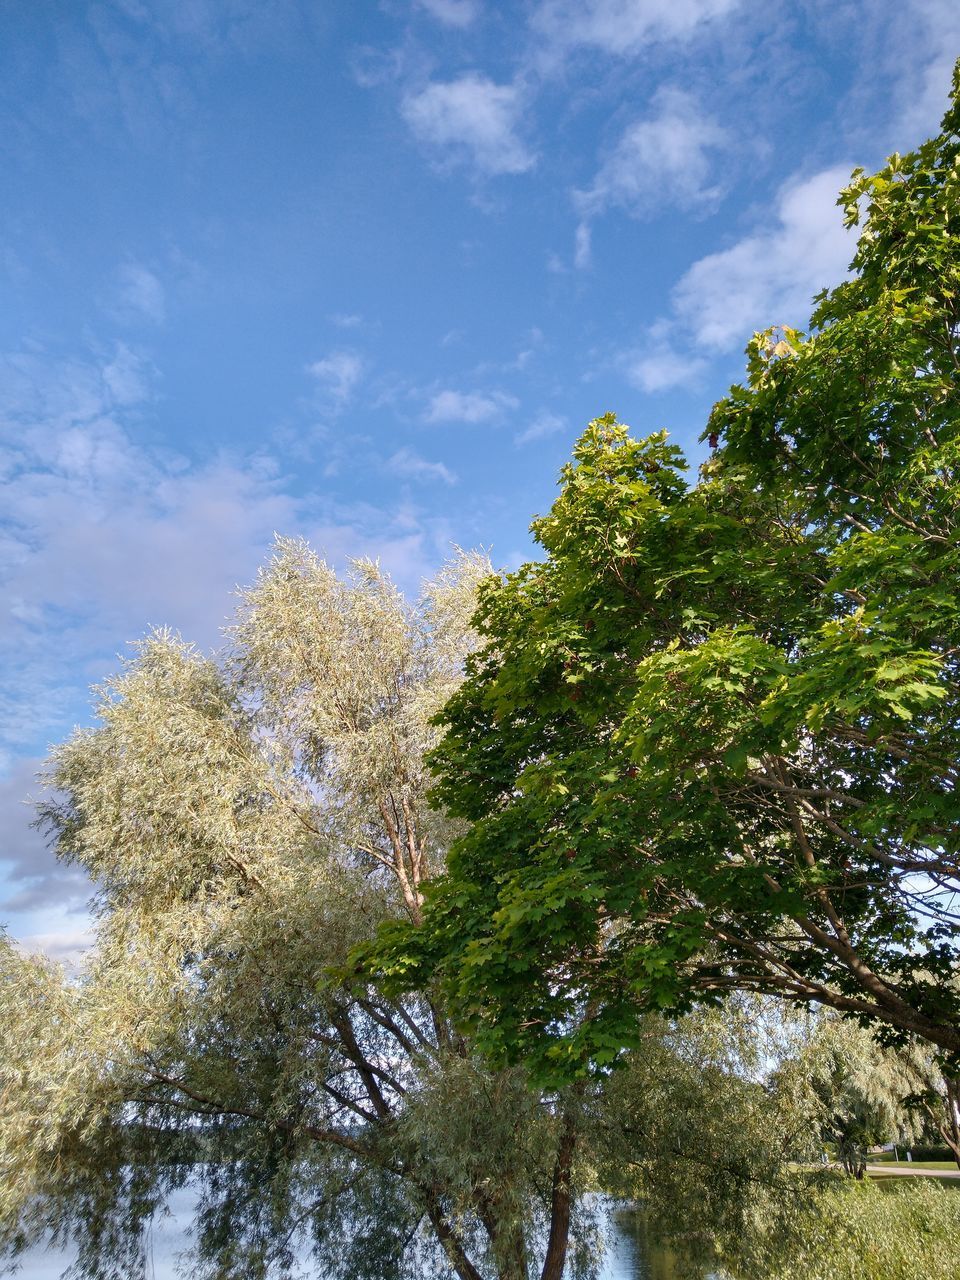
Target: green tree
x,y
855,1093
689,1125
710,740
714,1121
245,823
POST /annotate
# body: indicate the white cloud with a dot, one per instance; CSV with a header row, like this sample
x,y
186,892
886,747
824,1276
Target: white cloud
x,y
770,277
67,946
338,374
347,320
140,293
473,119
102,537
766,278
658,365
34,877
543,424
661,160
623,27
452,13
582,246
411,466
468,406
921,66
222,26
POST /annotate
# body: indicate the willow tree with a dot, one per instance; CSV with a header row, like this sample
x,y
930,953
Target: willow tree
x,y
710,740
245,823
855,1093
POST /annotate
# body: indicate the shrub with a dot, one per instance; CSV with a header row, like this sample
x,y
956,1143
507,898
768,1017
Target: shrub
x,y
852,1231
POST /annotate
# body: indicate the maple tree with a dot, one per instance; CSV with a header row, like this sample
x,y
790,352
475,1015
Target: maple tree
x,y
710,740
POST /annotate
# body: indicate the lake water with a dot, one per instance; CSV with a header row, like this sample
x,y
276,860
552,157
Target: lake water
x,y
631,1256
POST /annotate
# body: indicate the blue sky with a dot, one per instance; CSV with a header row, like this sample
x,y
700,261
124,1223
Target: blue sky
x,y
363,271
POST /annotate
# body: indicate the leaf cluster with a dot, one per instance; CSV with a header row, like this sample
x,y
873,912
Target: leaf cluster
x,y
710,740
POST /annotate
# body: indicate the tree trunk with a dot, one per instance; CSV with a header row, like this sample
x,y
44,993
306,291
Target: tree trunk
x,y
506,1241
512,1263
450,1242
853,1157
950,1126
560,1202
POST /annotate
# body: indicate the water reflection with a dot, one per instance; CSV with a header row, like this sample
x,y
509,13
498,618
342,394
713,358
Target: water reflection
x,y
632,1256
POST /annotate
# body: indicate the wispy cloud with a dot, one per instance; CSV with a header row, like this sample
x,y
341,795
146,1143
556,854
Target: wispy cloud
x,y
103,537
452,13
623,27
582,246
924,66
665,359
661,160
140,294
769,277
338,375
906,50
469,406
543,424
471,120
766,278
33,874
223,26
408,464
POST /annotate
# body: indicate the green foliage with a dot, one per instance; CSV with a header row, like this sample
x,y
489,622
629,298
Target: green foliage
x,y
939,1155
713,1123
710,741
246,823
855,1093
852,1231
685,1130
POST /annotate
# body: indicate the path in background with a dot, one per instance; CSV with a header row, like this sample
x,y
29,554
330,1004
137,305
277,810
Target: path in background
x,y
896,1169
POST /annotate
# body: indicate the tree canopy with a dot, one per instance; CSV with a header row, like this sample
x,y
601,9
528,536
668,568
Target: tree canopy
x,y
245,822
710,740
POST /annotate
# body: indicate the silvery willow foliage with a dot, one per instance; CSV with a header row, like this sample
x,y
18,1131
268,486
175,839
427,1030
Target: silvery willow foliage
x,y
247,822
719,1122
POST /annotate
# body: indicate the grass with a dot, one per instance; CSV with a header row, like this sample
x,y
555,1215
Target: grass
x,y
885,1157
888,1180
924,1164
